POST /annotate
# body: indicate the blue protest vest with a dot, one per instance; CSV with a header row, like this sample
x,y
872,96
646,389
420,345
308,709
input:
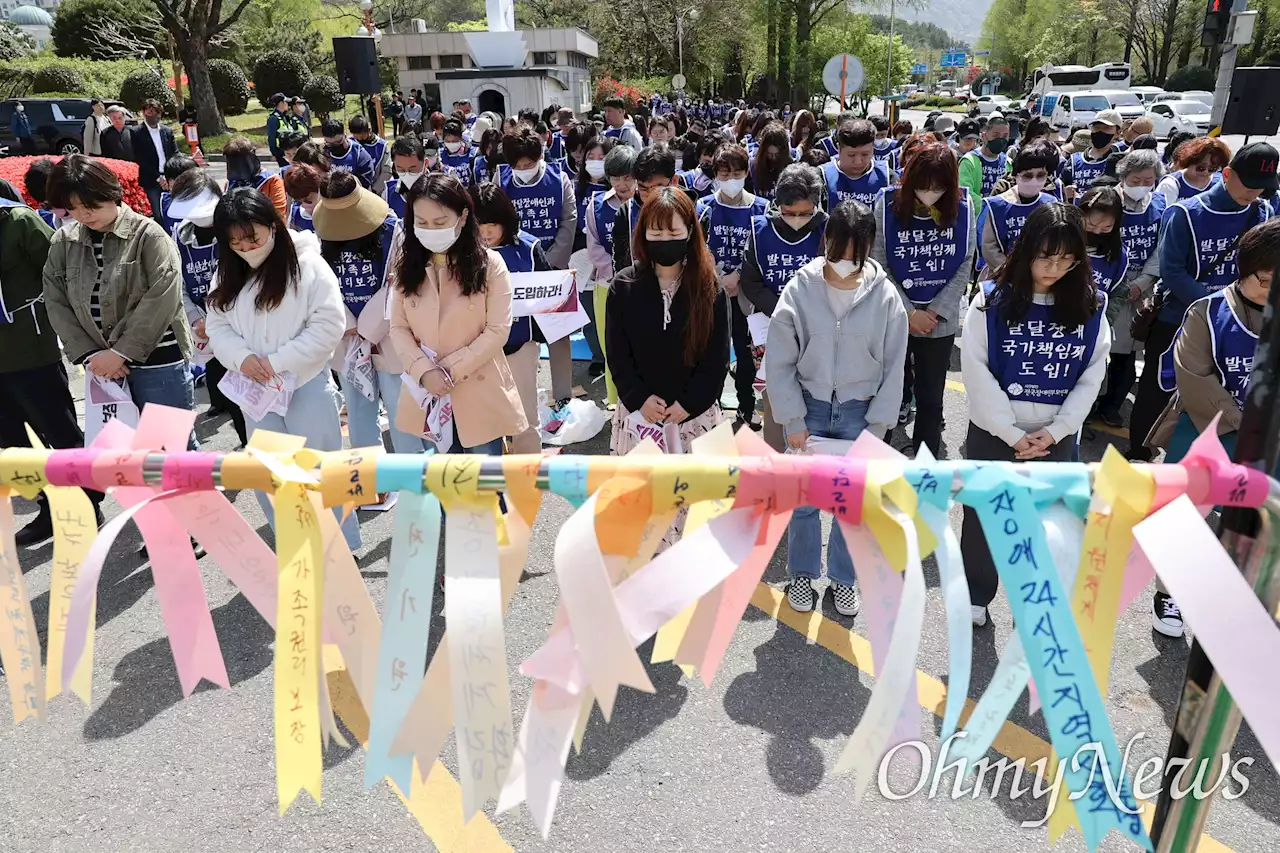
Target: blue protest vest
x,y
830,146
1186,191
480,169
604,214
356,161
923,257
256,182
1008,218
459,164
1140,231
360,277
727,229
581,200
393,197
374,149
865,189
883,150
696,180
165,200
199,265
1212,234
1086,171
1233,346
49,219
519,258
556,151
1038,360
1107,275
297,221
778,259
539,205
992,170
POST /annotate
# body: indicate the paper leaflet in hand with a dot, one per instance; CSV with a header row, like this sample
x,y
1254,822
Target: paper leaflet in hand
x,y
666,436
357,368
201,352
551,298
758,324
259,399
106,400
438,427
823,446
583,270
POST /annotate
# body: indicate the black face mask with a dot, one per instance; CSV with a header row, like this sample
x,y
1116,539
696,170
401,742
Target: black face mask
x,y
667,253
1095,241
709,170
1100,139
999,145
337,150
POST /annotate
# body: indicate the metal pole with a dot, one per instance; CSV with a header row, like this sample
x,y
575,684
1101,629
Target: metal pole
x,y
888,73
680,40
1226,68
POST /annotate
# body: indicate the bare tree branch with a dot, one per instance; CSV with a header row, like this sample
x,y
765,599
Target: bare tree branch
x,y
231,19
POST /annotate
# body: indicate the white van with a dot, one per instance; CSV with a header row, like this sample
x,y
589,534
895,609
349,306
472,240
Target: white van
x,y
1147,93
1075,108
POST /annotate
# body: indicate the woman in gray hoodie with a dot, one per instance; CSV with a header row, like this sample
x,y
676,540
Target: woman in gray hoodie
x,y
837,345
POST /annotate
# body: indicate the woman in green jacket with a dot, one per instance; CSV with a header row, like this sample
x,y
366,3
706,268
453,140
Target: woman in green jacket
x,y
113,288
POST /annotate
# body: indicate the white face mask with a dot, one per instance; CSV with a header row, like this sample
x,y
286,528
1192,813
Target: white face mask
x,y
408,179
595,169
525,175
304,213
256,257
432,157
796,223
844,269
1030,188
1137,193
929,197
436,239
454,147
731,187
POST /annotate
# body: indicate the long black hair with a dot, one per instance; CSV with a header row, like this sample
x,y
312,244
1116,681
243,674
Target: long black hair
x,y
1105,200
1052,229
467,258
236,214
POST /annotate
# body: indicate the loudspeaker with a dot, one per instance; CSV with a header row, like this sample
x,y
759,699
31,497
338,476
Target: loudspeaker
x,y
357,61
1254,106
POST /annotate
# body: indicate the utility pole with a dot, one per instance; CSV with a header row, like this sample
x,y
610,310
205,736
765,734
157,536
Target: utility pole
x,y
888,74
1217,30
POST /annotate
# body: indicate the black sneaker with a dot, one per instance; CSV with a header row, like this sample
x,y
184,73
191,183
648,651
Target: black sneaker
x,y
1112,418
596,369
36,531
195,546
906,412
1166,617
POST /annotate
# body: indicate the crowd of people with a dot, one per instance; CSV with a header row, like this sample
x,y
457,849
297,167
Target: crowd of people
x,y
838,264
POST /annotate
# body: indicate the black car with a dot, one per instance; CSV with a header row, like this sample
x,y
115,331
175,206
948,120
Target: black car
x,y
57,124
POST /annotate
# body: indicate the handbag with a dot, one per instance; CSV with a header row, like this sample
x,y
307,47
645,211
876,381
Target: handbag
x,y
1145,317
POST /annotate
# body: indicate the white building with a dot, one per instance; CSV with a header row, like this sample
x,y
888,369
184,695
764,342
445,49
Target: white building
x,y
7,7
32,20
503,72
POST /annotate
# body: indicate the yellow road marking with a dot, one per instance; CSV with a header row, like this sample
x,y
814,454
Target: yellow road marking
x,y
1119,432
437,803
1012,741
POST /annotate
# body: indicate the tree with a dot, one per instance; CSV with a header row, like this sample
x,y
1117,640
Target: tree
x,y
279,71
14,42
268,25
108,29
57,78
196,25
230,86
323,95
143,85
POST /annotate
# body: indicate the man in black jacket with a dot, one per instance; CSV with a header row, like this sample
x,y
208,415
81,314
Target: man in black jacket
x,y
152,144
114,140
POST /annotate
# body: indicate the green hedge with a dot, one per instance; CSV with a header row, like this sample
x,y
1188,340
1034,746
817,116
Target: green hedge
x,y
230,87
144,84
57,78
279,71
102,77
323,95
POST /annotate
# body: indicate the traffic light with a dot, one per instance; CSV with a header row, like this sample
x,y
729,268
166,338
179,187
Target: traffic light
x,y
1217,18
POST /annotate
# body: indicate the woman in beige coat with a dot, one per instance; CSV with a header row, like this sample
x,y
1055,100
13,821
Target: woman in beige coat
x,y
450,316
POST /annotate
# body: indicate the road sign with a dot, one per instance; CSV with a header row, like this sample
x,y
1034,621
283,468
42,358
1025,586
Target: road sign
x,y
842,75
677,82
957,59
919,68
982,53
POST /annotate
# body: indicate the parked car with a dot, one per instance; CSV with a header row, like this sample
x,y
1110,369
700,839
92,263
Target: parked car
x,y
988,104
1203,97
945,87
1076,108
1147,93
57,124
1187,115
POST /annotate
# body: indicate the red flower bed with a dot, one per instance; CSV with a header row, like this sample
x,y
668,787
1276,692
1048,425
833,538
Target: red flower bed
x,y
13,170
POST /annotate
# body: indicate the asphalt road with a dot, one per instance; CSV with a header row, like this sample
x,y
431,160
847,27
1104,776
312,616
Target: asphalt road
x,y
743,765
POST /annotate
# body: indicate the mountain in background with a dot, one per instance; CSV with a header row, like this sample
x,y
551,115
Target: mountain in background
x,y
957,22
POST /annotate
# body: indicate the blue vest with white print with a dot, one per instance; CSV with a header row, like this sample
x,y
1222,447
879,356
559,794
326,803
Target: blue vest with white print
x,y
360,277
727,229
605,218
1139,231
1186,191
375,150
992,170
1008,218
459,164
883,150
778,259
865,189
539,205
1212,234
199,265
519,258
297,221
1107,275
923,256
1086,171
1233,348
1038,360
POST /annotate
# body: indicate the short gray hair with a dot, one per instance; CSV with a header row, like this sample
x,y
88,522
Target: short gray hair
x,y
799,182
1140,160
620,162
115,108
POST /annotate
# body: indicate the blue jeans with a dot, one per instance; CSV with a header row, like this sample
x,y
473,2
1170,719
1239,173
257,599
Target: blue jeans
x,y
313,414
168,386
362,417
489,448
804,535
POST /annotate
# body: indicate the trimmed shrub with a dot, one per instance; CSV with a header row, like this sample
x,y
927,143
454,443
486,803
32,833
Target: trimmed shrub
x,y
141,85
1190,77
279,71
230,87
57,78
323,95
101,78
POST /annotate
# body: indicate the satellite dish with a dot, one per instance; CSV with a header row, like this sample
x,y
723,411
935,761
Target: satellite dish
x,y
843,74
677,82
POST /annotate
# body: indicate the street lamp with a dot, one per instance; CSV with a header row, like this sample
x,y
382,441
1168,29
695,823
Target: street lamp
x,y
692,14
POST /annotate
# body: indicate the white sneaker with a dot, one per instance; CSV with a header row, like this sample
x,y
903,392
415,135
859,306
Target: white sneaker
x,y
979,615
800,595
847,600
1166,616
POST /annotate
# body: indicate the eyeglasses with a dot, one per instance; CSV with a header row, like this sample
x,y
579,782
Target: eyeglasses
x,y
1066,263
649,188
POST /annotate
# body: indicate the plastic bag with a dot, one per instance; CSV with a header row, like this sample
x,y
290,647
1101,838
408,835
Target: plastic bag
x,y
578,420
